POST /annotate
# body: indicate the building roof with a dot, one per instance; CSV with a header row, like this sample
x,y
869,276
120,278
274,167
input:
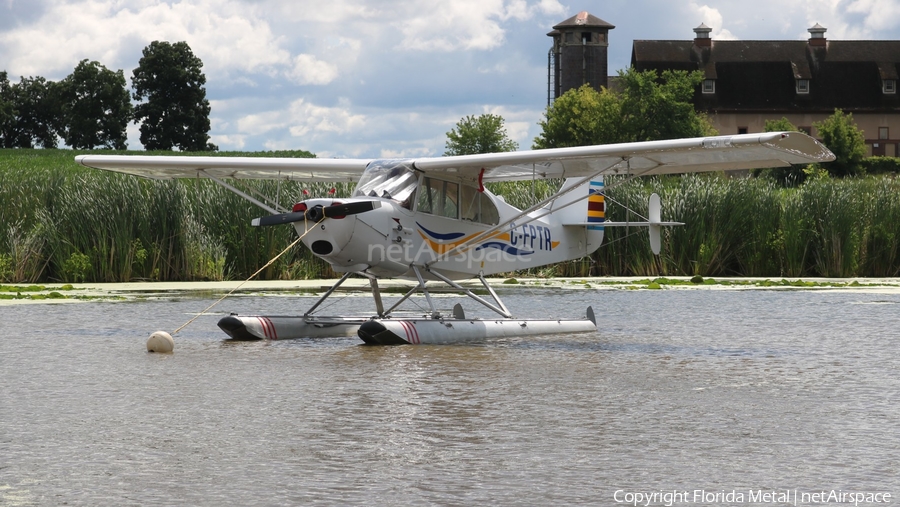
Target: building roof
x,y
583,19
762,75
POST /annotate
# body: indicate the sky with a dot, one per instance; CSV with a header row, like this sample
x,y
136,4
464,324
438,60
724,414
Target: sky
x,y
383,78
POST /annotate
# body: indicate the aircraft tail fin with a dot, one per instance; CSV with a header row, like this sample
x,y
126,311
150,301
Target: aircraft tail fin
x,y
585,206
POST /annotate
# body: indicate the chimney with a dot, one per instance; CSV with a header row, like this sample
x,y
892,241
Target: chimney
x,y
817,36
701,38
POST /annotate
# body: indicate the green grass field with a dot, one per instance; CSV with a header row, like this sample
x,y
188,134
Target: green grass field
x,y
64,223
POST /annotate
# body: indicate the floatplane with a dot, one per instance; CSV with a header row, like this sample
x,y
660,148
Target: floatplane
x,y
432,219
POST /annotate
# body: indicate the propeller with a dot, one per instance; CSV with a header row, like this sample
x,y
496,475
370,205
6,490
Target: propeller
x,y
317,213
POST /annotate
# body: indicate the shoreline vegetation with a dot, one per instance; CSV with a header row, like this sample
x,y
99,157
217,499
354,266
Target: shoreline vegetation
x,y
136,291
61,223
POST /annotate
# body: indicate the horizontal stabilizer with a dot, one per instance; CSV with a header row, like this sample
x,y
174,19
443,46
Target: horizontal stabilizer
x,y
654,223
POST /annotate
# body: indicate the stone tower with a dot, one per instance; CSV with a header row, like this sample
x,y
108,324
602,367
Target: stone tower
x,y
578,55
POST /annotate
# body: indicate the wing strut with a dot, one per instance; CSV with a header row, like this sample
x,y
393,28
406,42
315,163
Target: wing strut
x,y
475,240
243,194
489,232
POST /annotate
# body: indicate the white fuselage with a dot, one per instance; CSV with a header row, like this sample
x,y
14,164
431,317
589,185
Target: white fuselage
x,y
389,240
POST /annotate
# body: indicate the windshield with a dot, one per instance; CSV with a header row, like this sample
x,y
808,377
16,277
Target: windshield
x,y
391,179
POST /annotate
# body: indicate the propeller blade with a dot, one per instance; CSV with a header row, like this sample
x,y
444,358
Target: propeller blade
x,y
351,208
317,213
284,218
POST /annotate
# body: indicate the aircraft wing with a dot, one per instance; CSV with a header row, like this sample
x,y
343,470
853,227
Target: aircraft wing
x,y
164,167
721,153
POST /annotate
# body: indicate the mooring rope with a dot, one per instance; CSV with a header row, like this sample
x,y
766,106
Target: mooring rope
x,y
260,270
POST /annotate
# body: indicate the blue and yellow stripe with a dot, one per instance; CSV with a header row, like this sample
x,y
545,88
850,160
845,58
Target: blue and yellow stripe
x,y
596,210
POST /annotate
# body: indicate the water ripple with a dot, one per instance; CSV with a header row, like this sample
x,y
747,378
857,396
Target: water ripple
x,y
678,389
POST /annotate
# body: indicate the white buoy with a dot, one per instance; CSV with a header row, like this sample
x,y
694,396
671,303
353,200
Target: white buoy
x,y
160,341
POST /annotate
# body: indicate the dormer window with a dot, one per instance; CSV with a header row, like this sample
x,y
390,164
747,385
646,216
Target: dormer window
x,y
803,86
889,86
709,86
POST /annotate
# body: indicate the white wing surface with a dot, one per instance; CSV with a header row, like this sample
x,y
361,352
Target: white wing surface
x,y
702,154
165,167
721,153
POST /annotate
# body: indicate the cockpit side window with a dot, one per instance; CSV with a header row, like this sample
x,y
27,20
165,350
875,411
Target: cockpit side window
x,y
454,200
477,206
439,198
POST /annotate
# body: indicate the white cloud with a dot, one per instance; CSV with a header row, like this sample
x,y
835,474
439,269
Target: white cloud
x,y
308,119
464,24
261,123
309,70
233,142
222,33
713,19
878,14
326,13
451,26
551,7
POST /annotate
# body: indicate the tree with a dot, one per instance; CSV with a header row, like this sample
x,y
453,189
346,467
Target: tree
x,y
581,117
482,134
661,106
650,107
7,109
176,111
840,135
96,107
36,112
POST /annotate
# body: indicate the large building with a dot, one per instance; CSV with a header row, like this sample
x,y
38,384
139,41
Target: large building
x,y
749,82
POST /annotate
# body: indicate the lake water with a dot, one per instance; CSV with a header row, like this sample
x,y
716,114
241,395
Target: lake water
x,y
712,391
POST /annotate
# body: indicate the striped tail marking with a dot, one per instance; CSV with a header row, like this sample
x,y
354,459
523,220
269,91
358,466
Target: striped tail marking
x,y
596,212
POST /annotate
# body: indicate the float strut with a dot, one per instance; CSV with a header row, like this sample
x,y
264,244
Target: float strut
x,y
502,310
327,293
434,313
376,295
404,298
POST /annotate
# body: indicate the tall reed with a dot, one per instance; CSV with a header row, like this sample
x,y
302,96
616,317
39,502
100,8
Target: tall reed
x,y
882,236
60,222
